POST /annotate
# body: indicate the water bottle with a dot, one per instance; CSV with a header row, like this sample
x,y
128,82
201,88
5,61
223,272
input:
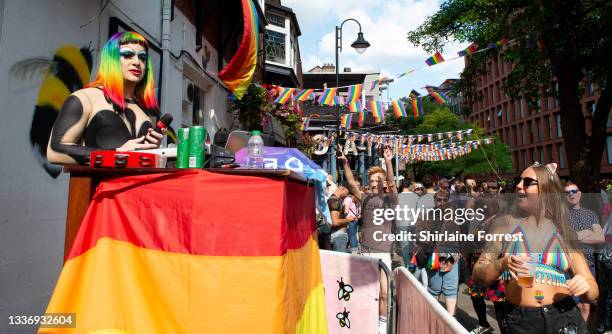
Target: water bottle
x,y
256,147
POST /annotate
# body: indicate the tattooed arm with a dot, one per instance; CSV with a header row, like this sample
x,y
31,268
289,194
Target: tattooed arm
x,y
488,267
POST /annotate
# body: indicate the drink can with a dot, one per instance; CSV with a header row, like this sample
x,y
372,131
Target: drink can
x,y
182,149
197,134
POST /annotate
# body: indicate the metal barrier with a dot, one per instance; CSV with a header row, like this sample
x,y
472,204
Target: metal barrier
x,y
417,311
352,289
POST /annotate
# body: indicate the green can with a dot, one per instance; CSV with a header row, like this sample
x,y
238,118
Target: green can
x,y
197,135
182,150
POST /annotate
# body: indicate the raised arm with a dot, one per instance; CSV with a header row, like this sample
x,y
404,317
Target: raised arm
x,y
388,155
348,173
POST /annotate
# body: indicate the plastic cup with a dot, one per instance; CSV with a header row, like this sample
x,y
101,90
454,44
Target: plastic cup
x,y
525,279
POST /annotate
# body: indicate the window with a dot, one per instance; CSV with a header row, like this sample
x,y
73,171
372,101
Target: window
x,y
522,106
539,105
275,46
276,20
542,155
561,156
559,133
507,113
539,130
523,134
525,163
550,153
609,149
556,92
549,127
531,137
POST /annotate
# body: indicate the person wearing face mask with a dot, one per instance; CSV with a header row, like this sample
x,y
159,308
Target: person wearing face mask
x,y
534,257
115,111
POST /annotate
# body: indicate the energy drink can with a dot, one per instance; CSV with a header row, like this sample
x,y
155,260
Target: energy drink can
x,y
197,134
182,150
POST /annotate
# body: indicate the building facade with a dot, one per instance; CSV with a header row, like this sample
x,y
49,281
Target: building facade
x,y
533,134
282,49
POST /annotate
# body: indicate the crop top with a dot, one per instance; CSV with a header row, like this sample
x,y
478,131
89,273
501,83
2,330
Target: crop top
x,y
552,261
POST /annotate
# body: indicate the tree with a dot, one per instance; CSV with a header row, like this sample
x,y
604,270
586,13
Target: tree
x,y
562,40
441,119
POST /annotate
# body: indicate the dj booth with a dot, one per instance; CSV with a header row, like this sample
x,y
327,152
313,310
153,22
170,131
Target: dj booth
x,y
190,251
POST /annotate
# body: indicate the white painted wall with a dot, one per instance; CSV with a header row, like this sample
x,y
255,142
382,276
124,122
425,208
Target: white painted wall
x,y
33,204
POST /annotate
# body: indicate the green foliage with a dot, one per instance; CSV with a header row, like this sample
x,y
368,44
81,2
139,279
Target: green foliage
x,y
251,110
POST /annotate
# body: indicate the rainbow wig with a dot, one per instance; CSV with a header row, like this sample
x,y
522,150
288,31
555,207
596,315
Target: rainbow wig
x,y
110,78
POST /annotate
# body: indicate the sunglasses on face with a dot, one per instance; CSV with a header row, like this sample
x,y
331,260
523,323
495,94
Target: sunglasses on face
x,y
571,192
418,189
527,181
128,53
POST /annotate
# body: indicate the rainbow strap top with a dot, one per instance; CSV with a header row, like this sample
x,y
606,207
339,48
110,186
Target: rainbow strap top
x,y
552,262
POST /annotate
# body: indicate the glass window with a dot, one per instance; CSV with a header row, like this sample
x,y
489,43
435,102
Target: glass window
x,y
561,156
542,155
276,20
550,153
549,127
559,133
275,46
556,94
507,113
609,149
522,106
539,130
523,134
525,163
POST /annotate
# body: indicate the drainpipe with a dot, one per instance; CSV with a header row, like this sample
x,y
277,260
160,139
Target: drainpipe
x,y
165,34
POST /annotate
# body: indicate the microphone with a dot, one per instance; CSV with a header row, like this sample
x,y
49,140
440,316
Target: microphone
x,y
163,122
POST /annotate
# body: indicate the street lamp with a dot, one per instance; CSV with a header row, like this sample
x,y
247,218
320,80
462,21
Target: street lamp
x,y
360,45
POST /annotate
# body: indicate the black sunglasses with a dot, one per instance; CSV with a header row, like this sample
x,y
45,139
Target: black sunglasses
x,y
527,181
572,192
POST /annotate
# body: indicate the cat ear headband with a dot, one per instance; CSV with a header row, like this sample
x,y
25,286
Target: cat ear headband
x,y
551,168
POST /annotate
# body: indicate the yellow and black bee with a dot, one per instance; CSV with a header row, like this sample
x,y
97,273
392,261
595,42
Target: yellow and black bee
x,y
343,318
67,72
344,290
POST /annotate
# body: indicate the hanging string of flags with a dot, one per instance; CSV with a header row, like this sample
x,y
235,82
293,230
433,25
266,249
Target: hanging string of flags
x,y
406,147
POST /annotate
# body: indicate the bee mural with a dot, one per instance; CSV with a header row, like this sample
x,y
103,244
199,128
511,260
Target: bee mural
x,y
344,290
343,318
67,72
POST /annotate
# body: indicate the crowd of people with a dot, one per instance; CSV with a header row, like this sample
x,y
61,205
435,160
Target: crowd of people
x,y
543,262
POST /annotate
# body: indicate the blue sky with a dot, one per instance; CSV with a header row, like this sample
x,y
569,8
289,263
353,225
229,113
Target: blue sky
x,y
385,25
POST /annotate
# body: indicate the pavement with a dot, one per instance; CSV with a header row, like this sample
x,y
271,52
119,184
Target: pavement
x,y
467,316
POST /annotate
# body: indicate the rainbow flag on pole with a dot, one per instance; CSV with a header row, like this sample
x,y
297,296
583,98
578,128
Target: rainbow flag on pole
x,y
238,73
437,95
285,95
398,109
374,84
469,50
435,59
354,93
417,106
345,122
327,97
304,95
376,108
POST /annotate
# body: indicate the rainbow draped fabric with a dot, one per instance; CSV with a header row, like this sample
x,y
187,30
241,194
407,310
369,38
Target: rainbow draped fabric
x,y
355,106
195,252
238,73
417,106
345,122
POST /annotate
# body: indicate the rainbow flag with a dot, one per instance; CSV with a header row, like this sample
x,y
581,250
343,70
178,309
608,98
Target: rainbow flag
x,y
405,73
399,109
305,123
327,97
284,95
376,108
469,50
345,122
362,115
193,267
414,93
437,95
374,84
435,59
355,106
304,95
417,106
238,73
354,93
338,100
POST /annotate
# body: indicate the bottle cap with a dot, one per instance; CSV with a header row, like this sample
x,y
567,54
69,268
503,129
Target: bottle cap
x,y
256,132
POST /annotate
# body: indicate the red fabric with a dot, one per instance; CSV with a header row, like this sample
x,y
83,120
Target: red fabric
x,y
203,213
237,61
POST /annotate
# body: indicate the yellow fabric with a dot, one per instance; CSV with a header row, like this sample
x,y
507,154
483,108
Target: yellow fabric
x,y
117,287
